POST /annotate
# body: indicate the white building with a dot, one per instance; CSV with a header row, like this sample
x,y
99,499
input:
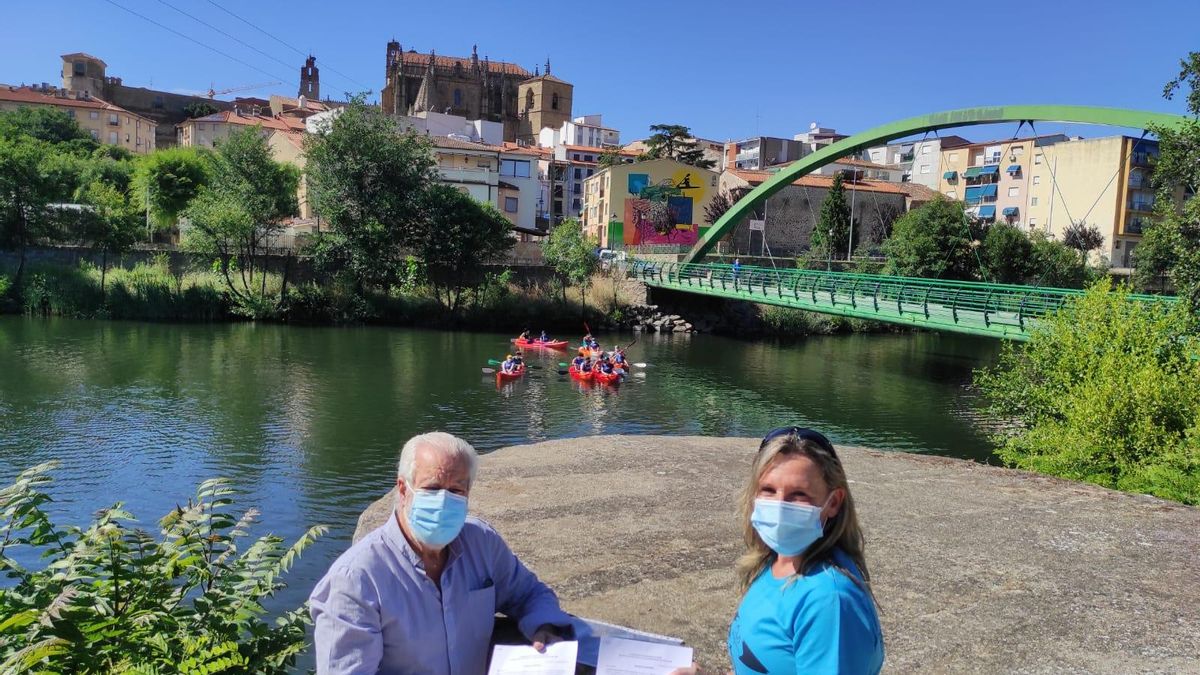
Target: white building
x,y
919,161
587,130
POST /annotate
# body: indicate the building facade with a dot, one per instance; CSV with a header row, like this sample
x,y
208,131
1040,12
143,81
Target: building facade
x,y
919,161
469,87
545,103
758,153
210,130
588,130
995,178
620,200
105,122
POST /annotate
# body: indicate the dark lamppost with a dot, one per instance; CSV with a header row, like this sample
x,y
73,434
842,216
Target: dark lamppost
x,y
829,246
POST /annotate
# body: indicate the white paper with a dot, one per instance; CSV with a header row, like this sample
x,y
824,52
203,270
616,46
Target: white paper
x,y
558,659
590,631
634,657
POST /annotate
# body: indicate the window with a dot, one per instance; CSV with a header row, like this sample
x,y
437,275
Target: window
x,y
575,156
952,194
897,159
1037,180
93,115
554,101
575,189
575,204
590,172
1013,191
578,173
70,113
200,126
589,158
514,167
1037,159
510,204
924,168
112,137
952,157
113,120
529,100
95,134
1033,201
1032,222
457,97
1018,151
925,150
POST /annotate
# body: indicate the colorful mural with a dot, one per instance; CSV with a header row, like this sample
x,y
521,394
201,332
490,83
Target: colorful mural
x,y
663,212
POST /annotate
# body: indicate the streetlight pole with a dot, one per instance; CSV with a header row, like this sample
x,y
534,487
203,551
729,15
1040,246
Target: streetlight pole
x,y
829,247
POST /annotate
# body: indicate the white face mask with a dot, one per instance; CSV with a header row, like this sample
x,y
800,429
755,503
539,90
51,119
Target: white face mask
x,y
788,529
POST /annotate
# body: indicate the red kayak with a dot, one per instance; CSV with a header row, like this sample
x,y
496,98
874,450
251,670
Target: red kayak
x,y
550,344
606,378
580,375
502,376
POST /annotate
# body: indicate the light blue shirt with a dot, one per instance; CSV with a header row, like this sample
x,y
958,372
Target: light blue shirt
x,y
820,622
376,611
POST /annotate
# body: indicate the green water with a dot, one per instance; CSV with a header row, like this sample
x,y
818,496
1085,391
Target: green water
x,y
307,421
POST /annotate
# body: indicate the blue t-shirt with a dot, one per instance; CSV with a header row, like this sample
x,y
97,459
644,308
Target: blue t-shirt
x,y
821,622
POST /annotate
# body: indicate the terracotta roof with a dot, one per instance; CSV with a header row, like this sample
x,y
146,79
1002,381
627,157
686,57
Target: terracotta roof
x,y
413,58
918,192
514,149
812,181
34,96
455,144
547,78
267,122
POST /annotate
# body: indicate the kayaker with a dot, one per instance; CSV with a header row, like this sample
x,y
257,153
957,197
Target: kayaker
x,y
519,357
587,366
587,341
509,365
606,367
578,363
525,335
544,337
593,344
618,356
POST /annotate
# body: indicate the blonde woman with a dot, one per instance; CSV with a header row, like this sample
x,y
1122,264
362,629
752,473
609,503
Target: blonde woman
x,y
807,605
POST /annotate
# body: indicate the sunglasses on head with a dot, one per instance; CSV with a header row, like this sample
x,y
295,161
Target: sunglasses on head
x,y
802,434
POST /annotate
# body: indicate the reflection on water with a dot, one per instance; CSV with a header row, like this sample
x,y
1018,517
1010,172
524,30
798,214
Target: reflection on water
x,y
307,421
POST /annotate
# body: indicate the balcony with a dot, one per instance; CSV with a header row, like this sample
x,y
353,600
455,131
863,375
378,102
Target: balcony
x,y
471,176
1144,158
1139,181
1141,206
1136,225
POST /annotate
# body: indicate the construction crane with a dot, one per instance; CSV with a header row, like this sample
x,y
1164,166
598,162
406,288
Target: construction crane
x,y
212,92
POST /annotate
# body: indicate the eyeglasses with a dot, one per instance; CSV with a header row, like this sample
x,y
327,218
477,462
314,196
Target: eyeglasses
x,y
802,434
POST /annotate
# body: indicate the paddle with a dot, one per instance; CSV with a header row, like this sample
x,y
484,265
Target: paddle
x,y
489,371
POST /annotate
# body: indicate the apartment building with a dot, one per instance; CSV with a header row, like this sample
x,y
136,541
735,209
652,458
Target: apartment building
x,y
918,161
993,178
105,122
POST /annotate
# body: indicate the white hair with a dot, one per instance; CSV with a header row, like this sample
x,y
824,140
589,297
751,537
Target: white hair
x,y
440,441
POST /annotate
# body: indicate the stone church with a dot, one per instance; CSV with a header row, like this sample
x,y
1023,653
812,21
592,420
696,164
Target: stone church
x,y
475,88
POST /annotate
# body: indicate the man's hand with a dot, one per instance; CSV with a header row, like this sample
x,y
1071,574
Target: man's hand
x,y
546,634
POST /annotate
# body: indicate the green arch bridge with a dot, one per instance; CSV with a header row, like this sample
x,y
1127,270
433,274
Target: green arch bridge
x,y
993,310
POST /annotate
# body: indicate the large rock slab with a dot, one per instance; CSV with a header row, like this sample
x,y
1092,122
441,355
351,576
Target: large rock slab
x,y
977,569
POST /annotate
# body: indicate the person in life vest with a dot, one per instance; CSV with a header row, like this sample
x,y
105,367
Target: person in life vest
x,y
606,366
525,335
618,357
578,363
544,337
509,364
519,358
587,366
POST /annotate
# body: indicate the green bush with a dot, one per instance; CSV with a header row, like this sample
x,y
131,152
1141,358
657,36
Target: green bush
x,y
1106,391
333,303
112,598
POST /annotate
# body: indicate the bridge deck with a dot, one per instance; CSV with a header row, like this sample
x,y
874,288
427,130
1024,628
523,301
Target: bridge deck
x,y
993,310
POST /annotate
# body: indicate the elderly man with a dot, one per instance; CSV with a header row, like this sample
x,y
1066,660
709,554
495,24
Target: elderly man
x,y
418,595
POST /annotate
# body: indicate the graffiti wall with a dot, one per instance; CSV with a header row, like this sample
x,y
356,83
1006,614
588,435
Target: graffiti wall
x,y
665,209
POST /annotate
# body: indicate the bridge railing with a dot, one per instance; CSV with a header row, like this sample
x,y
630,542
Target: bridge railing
x,y
990,307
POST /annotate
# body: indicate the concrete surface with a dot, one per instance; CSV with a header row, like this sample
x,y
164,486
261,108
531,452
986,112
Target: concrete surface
x,y
977,569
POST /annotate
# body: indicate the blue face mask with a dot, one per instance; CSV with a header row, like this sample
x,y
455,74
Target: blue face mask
x,y
436,516
788,529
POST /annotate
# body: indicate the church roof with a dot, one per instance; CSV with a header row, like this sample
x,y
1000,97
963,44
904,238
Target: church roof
x,y
412,58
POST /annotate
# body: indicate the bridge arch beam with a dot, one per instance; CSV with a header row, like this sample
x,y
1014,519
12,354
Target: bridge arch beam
x,y
1116,117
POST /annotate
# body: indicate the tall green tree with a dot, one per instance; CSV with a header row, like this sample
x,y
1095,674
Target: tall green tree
x,y
460,236
107,223
369,179
1007,254
935,241
675,141
167,180
571,255
47,124
239,215
1171,245
835,219
610,157
28,186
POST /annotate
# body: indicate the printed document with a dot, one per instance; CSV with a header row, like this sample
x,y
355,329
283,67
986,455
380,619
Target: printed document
x,y
558,659
634,657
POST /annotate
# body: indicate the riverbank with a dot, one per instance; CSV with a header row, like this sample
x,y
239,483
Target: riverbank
x,y
976,568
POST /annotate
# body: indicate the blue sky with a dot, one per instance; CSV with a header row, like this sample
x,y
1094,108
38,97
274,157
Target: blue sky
x,y
724,69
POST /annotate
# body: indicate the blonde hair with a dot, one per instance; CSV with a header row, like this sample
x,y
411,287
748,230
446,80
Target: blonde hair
x,y
841,531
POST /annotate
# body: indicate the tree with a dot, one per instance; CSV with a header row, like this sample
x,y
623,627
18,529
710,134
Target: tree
x,y
1055,264
935,241
237,216
27,189
1171,244
610,157
1083,238
459,237
835,218
1106,391
717,206
1007,254
199,109
47,124
108,224
369,179
571,255
167,180
674,141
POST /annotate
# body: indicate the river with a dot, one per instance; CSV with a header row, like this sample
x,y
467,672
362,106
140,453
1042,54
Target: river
x,y
307,422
